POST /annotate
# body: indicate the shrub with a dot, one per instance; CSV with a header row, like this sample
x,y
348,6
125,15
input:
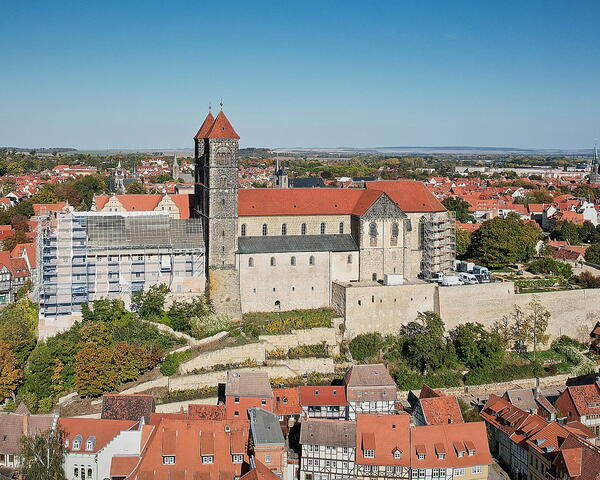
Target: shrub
x,y
172,361
547,265
304,351
564,341
587,280
365,345
202,327
275,323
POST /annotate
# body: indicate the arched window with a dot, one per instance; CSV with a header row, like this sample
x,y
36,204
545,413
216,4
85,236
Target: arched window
x,y
251,262
265,230
322,228
311,260
277,304
372,229
293,261
341,227
303,229
272,261
395,233
421,233
243,229
284,228
223,181
349,259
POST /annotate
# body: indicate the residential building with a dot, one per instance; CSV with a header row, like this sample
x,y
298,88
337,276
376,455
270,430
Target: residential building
x,y
531,400
268,444
582,403
323,401
370,389
127,407
91,443
13,426
247,389
434,408
328,449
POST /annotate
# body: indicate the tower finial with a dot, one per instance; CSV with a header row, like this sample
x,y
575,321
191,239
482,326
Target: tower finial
x,y
209,107
221,103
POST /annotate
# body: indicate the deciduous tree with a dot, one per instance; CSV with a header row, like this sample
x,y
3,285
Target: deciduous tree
x,y
42,455
10,374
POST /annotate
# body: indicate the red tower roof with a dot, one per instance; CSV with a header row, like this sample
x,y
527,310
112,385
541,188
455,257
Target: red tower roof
x,y
205,128
221,128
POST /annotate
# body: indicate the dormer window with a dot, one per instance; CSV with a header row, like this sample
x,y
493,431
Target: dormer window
x,y
89,444
168,459
208,459
397,454
77,442
369,453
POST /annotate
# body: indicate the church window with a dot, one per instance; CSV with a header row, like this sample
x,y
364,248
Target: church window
x,y
311,260
284,228
303,229
251,262
265,230
395,233
243,229
372,229
322,228
223,181
293,261
341,228
349,259
273,261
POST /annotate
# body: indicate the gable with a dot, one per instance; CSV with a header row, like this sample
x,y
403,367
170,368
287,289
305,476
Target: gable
x,y
383,207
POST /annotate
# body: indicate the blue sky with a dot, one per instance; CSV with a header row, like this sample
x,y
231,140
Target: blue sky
x,y
135,74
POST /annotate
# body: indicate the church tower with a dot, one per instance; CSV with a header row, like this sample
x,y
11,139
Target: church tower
x,y
217,147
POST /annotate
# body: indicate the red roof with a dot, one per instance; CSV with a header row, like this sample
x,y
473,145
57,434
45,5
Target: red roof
x,y
221,128
441,410
205,127
322,395
123,466
409,195
385,434
586,398
304,201
100,431
287,401
147,202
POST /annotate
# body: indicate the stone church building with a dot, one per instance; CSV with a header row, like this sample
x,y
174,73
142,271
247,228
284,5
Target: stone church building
x,y
281,249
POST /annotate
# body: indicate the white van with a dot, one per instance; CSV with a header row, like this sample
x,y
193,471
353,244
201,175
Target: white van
x,y
468,278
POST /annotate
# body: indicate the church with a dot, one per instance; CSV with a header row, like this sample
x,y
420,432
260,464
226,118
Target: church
x,y
281,248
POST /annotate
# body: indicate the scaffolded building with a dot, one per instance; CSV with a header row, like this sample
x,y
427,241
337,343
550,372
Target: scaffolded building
x,y
90,255
439,243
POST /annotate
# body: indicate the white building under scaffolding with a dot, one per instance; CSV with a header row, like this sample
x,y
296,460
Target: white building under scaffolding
x,y
86,256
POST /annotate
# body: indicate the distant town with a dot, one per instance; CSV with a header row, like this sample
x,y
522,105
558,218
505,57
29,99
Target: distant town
x,y
299,315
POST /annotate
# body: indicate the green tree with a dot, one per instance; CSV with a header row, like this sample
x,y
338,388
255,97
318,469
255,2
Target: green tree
x,y
425,347
566,231
96,371
501,241
460,207
365,346
135,188
592,254
95,333
537,318
476,347
463,242
45,195
150,304
10,374
39,371
42,455
587,232
18,322
12,241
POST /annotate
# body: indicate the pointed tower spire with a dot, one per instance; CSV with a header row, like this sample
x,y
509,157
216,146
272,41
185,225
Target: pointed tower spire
x,y
222,128
595,155
206,125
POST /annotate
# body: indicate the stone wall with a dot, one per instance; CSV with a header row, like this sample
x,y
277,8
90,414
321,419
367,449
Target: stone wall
x,y
283,369
257,351
370,307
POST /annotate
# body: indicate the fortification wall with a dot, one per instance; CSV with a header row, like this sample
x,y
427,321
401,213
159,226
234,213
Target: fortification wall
x,y
385,308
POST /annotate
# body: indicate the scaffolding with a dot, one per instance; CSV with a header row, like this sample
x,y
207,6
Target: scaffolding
x,y
91,255
439,243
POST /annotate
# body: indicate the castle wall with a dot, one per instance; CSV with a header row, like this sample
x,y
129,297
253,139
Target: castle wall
x,y
370,307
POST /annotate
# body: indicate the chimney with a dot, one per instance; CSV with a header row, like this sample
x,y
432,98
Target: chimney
x,y
25,419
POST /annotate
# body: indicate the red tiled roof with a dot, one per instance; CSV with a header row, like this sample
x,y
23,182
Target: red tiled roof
x,y
221,128
384,434
322,395
43,208
287,401
102,431
586,398
259,472
441,410
207,412
148,202
409,195
123,466
205,127
304,201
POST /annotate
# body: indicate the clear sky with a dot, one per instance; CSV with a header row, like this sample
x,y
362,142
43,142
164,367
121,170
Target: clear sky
x,y
140,74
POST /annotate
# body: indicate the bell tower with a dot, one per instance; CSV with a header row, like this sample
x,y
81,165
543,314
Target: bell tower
x,y
217,148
